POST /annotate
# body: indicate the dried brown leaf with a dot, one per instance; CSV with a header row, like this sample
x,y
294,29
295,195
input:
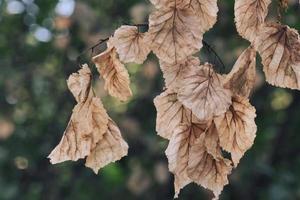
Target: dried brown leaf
x,y
205,170
202,91
242,77
170,3
173,73
88,122
110,148
178,152
79,83
249,16
279,48
206,10
190,158
174,33
170,113
130,44
114,73
237,128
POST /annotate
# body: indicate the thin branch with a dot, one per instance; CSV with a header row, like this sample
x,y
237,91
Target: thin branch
x,y
92,48
101,41
206,45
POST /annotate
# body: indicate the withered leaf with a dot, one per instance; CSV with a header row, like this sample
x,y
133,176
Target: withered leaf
x,y
170,113
190,158
88,122
170,3
206,10
130,44
241,79
178,152
249,16
110,148
79,83
173,73
279,48
114,73
202,91
205,170
237,128
174,33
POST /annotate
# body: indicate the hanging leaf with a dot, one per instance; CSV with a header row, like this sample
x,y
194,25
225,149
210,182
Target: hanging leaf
x,y
174,33
190,160
114,73
249,16
279,48
237,128
170,3
178,152
130,44
170,113
241,79
88,122
202,91
173,73
110,148
206,10
205,170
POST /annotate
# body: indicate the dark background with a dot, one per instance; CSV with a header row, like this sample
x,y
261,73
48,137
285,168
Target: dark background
x,y
39,43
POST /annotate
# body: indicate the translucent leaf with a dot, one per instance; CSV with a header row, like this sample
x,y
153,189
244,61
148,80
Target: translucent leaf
x,y
279,48
249,16
110,148
173,73
206,10
237,128
174,33
241,79
130,44
170,113
88,122
205,170
114,73
202,91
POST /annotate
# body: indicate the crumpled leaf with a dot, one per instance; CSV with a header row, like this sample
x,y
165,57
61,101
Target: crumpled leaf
x,y
173,73
130,44
279,48
88,122
237,128
190,160
114,73
202,91
110,148
241,79
206,10
170,3
170,113
174,33
249,16
206,170
178,152
79,83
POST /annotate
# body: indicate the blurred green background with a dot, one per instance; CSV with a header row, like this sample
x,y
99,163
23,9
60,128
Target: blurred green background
x,y
39,43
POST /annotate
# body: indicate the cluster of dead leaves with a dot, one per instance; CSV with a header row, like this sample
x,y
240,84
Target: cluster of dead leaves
x,y
277,44
202,113
90,133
